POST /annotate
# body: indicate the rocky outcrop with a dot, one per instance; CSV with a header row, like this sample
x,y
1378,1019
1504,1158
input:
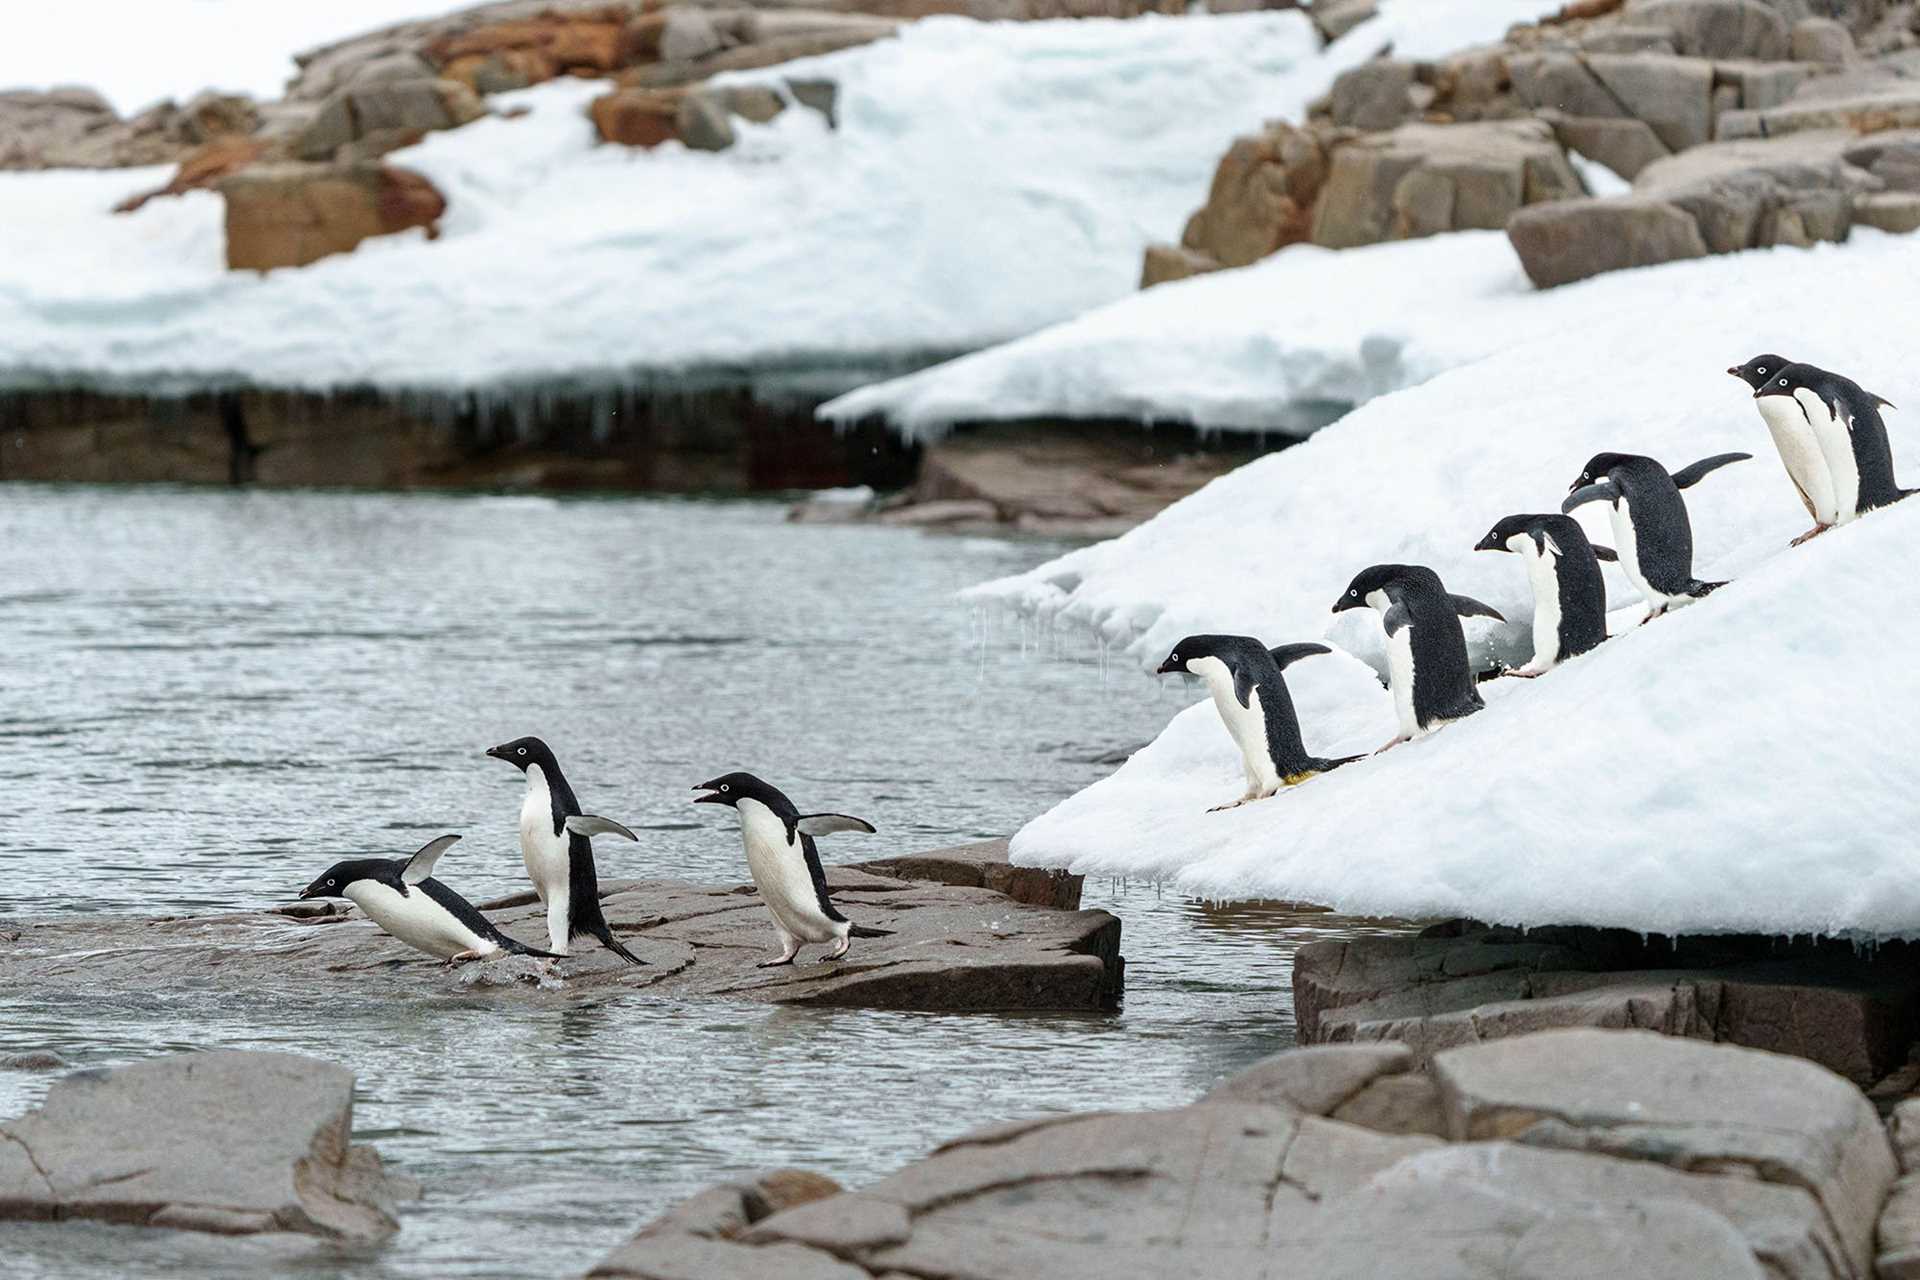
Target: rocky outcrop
x,y
948,947
233,1143
76,129
381,116
288,215
1573,1153
1573,239
1455,984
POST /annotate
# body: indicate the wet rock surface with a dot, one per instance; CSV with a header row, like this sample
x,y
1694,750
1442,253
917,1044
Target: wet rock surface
x,y
233,1143
1855,1013
1569,1153
949,947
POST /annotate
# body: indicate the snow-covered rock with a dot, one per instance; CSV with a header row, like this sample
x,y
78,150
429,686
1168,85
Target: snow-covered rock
x,y
1739,765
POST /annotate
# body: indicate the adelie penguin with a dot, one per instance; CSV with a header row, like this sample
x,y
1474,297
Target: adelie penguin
x,y
402,897
1427,666
1652,535
1793,438
785,863
1251,695
556,844
1843,420
1569,595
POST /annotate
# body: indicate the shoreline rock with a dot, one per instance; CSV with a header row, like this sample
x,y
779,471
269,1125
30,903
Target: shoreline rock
x,y
1562,1154
230,1142
952,947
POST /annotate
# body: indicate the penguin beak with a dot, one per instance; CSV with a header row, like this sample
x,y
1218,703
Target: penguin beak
x,y
311,891
1168,667
498,753
1735,371
1488,543
713,796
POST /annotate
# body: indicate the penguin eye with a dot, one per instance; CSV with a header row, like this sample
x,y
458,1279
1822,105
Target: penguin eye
x,y
329,884
1783,382
725,787
1763,371
1174,658
523,751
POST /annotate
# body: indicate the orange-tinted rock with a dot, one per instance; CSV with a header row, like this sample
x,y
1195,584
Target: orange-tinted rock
x,y
597,45
505,55
636,117
203,167
288,215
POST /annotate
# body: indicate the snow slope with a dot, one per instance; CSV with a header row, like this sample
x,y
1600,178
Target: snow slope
x,y
136,52
986,179
1741,764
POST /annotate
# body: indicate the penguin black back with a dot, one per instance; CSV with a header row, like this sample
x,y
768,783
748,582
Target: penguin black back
x,y
1580,591
1859,410
1256,667
1443,683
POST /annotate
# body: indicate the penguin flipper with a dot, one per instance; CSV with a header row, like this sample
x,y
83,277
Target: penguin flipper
x,y
587,824
420,866
1687,477
826,824
1468,607
1606,553
1697,588
1603,491
1287,654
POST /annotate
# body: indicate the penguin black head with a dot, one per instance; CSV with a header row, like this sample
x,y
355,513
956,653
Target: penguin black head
x,y
522,752
333,882
1366,582
1186,651
1496,539
1784,382
1756,371
1598,468
732,788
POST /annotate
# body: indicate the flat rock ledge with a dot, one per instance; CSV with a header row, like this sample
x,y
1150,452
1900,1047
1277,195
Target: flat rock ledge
x,y
1855,1011
235,1143
1556,1156
955,945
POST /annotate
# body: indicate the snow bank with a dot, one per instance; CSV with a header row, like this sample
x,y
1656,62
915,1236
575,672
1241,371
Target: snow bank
x,y
136,52
986,179
1738,765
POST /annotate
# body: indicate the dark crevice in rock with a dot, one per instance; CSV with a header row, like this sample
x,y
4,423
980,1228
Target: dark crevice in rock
x,y
32,1160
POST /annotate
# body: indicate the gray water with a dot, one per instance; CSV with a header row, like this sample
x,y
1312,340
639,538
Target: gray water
x,y
206,697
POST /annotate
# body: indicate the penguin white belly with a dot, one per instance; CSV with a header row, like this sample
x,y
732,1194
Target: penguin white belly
x,y
1544,575
417,920
1400,677
1802,454
548,862
1835,439
1627,547
1246,725
779,871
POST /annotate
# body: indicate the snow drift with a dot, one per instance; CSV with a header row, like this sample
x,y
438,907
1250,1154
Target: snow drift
x,y
986,179
1739,765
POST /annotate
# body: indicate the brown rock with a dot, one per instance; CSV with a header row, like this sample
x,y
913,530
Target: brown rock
x,y
288,215
1624,146
202,168
1572,239
1261,198
1163,263
636,117
984,865
1895,211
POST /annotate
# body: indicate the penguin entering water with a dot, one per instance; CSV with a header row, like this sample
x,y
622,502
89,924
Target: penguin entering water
x,y
402,897
1652,535
1427,666
1799,447
556,844
1569,595
785,863
1251,696
1845,419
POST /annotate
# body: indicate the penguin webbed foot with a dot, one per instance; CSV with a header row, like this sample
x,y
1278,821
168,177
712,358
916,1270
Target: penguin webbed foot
x,y
455,961
1523,673
1391,745
1810,534
774,964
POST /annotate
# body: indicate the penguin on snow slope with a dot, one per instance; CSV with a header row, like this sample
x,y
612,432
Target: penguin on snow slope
x,y
1652,535
785,863
1842,419
556,844
1569,595
1427,666
1793,437
1251,695
402,897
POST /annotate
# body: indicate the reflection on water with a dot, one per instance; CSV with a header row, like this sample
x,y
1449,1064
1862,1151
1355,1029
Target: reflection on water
x,y
207,696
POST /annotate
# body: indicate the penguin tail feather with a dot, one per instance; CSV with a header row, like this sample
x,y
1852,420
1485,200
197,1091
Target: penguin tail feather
x,y
613,944
518,948
1324,766
868,931
1697,588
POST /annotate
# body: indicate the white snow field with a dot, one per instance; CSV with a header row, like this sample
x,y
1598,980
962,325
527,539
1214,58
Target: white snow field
x,y
987,179
1744,763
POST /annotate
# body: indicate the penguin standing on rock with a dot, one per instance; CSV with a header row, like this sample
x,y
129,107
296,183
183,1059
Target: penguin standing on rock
x,y
1652,535
1427,666
1569,595
556,844
1845,419
1251,695
785,863
1793,436
402,897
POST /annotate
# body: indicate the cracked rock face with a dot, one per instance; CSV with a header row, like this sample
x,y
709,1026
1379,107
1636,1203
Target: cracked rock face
x,y
230,1142
950,947
1564,1154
